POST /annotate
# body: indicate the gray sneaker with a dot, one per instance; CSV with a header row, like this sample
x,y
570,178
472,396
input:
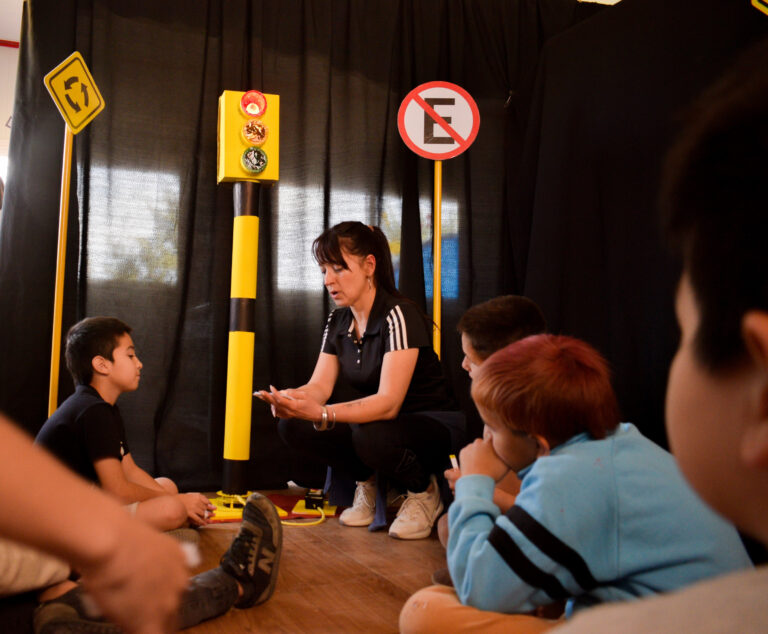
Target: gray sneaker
x,y
254,555
67,615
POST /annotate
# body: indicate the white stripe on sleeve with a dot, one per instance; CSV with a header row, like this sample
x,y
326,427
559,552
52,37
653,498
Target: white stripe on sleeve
x,y
398,336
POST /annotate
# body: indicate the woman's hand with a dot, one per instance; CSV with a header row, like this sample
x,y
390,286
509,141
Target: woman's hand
x,y
291,404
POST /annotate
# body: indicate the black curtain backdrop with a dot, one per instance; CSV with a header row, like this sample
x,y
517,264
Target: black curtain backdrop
x,y
610,94
150,232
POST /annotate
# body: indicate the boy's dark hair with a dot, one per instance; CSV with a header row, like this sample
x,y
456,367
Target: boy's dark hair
x,y
550,385
89,338
493,324
715,206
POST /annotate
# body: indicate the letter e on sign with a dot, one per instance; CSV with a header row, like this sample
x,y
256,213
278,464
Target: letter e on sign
x,y
438,120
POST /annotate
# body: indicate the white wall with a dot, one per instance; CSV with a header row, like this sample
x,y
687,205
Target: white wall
x,y
9,59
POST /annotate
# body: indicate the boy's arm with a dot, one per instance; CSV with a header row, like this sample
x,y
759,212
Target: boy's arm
x,y
134,473
498,562
114,481
135,574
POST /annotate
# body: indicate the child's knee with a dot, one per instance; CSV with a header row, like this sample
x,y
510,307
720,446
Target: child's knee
x,y
424,613
168,484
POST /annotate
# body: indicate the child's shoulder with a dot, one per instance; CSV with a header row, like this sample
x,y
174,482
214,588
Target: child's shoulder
x,y
85,399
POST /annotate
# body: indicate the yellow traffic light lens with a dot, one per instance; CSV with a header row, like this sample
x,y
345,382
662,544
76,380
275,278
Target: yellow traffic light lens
x,y
255,132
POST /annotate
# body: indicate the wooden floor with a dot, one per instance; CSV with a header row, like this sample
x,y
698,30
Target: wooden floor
x,y
331,579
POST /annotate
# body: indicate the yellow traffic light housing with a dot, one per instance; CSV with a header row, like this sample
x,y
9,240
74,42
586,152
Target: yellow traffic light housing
x,y
249,137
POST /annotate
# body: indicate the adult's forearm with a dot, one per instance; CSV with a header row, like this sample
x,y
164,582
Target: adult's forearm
x,y
53,509
365,410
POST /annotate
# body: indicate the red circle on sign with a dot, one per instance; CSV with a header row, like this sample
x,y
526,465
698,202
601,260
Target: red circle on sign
x,y
415,96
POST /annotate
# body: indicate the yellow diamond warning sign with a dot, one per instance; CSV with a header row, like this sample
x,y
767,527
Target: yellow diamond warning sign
x,y
74,92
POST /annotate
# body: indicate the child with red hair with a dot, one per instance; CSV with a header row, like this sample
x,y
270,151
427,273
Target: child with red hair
x,y
603,514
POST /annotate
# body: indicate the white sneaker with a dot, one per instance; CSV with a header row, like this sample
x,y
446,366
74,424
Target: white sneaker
x,y
363,506
418,513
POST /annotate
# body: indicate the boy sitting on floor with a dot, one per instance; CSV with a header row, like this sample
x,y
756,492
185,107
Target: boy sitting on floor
x,y
603,514
86,432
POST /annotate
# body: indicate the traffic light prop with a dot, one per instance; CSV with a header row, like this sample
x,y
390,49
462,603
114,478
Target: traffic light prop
x,y
248,153
249,135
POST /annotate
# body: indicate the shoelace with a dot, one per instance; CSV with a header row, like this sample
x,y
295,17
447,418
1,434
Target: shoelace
x,y
411,506
361,498
242,543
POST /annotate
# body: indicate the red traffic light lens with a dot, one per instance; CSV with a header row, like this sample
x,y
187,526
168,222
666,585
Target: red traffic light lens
x,y
253,103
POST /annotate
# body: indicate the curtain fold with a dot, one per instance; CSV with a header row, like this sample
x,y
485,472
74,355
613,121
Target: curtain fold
x,y
611,94
150,231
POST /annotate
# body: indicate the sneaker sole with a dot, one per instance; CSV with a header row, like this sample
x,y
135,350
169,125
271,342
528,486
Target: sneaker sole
x,y
365,523
260,512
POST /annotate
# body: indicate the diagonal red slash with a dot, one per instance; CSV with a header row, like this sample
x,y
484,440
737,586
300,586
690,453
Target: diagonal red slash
x,y
440,121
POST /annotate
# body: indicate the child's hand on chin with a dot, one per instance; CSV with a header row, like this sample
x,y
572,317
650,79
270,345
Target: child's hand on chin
x,y
480,458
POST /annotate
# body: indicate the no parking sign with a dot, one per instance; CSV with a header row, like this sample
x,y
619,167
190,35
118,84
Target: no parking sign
x,y
438,120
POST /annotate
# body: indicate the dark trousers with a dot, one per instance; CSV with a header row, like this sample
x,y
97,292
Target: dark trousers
x,y
406,449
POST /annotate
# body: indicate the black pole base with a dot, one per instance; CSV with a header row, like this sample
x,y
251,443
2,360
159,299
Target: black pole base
x,y
235,480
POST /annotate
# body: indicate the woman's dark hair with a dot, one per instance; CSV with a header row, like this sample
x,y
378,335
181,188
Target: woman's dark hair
x,y
360,240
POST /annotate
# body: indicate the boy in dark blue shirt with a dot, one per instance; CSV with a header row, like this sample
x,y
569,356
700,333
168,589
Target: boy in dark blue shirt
x,y
87,433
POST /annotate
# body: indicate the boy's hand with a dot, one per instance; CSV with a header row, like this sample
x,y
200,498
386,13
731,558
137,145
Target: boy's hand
x,y
451,475
479,458
199,508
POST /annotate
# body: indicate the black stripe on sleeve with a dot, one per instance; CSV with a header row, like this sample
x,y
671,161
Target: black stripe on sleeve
x,y
552,547
524,567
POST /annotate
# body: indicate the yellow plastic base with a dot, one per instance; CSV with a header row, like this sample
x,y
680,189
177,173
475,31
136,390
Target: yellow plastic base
x,y
229,508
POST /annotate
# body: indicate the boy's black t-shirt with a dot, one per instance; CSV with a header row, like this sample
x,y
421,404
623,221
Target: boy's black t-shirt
x,y
84,428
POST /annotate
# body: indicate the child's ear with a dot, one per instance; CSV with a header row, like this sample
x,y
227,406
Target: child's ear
x,y
754,444
542,445
100,365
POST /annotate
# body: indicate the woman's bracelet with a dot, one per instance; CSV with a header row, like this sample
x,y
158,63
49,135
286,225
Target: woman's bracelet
x,y
323,425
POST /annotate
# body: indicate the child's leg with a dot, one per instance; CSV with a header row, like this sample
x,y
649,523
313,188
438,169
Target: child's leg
x,y
163,513
23,569
437,609
442,530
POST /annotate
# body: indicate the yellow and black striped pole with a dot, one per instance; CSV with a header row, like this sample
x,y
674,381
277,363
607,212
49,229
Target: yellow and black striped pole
x,y
242,311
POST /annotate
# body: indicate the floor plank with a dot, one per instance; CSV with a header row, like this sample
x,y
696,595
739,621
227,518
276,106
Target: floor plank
x,y
332,579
